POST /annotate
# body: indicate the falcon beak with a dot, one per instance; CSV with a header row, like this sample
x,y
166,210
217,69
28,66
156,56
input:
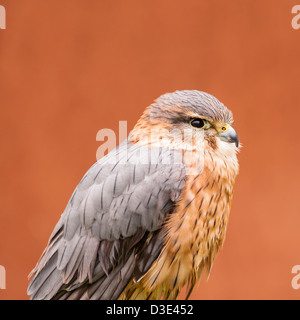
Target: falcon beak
x,y
229,136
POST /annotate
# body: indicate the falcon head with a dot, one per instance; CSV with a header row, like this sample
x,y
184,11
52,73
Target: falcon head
x,y
193,116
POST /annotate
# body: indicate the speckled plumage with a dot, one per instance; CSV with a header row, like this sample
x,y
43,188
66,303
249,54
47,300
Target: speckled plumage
x,y
146,219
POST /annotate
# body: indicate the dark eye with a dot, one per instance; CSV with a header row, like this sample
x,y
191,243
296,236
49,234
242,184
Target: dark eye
x,y
197,123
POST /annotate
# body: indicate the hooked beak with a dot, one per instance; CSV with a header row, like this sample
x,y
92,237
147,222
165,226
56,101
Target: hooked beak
x,y
229,136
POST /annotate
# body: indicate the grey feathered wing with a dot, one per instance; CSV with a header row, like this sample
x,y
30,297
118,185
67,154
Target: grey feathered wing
x,y
110,231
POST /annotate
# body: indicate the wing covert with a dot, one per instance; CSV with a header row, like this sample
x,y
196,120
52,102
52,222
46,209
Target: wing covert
x,y
121,199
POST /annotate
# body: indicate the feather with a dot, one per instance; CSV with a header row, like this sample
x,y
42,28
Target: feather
x,y
100,242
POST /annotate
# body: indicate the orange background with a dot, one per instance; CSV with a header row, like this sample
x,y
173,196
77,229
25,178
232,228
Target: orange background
x,y
69,68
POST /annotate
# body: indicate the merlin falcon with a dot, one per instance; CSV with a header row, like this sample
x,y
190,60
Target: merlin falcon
x,y
151,215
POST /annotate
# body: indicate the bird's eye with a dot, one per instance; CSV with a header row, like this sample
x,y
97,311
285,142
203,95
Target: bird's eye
x,y
224,128
199,123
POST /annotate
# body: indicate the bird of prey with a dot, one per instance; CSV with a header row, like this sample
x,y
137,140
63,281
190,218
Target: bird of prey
x,y
151,215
